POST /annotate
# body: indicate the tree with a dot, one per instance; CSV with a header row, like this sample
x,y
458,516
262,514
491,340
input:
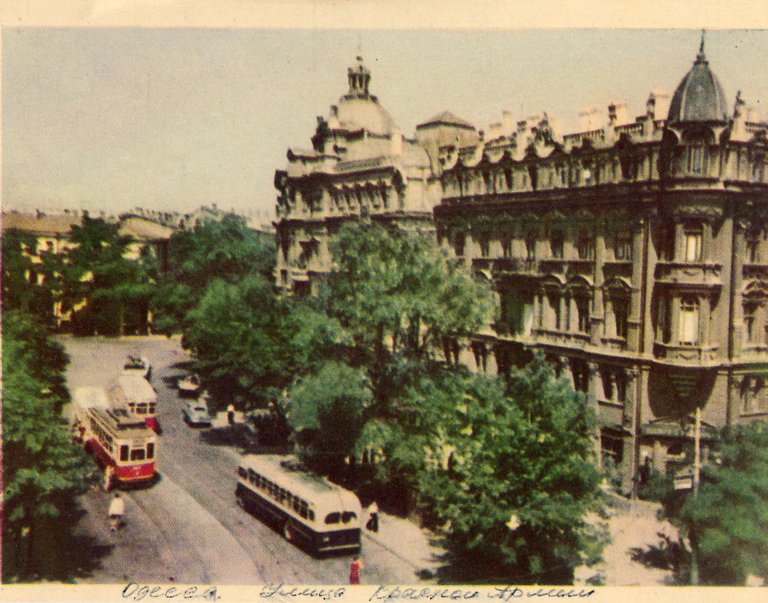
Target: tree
x,y
326,410
728,518
510,474
114,288
239,341
43,470
399,297
30,286
225,249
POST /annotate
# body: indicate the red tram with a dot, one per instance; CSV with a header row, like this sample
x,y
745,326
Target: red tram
x,y
117,437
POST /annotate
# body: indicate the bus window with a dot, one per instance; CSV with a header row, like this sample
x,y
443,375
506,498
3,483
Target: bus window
x,y
311,515
132,406
137,454
296,505
242,472
152,408
303,511
252,476
150,450
348,516
333,517
123,453
141,409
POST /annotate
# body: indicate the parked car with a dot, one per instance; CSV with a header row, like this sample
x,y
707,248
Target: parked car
x,y
189,386
196,413
138,365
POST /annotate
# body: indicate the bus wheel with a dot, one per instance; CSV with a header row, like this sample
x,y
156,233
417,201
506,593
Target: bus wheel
x,y
288,532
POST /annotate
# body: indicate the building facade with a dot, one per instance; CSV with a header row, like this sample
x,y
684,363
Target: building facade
x,y
360,167
634,253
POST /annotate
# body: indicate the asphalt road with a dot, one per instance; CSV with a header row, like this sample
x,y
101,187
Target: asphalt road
x,y
187,528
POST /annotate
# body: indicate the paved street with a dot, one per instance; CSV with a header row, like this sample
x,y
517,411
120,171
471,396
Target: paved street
x,y
187,528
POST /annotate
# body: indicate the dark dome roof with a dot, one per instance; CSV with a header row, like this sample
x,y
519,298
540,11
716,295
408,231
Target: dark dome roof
x,y
699,97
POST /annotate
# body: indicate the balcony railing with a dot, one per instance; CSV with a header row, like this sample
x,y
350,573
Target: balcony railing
x,y
506,265
689,273
686,354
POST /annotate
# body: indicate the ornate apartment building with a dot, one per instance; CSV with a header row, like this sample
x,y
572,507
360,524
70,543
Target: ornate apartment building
x,y
633,254
360,166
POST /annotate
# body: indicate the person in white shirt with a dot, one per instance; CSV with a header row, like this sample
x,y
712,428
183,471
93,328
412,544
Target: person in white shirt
x,y
116,512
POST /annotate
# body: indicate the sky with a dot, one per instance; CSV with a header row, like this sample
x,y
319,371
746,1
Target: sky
x,y
114,118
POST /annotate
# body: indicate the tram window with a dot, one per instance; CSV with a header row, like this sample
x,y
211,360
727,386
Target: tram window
x,y
251,476
141,409
311,516
242,472
151,409
150,450
348,516
333,517
123,453
137,454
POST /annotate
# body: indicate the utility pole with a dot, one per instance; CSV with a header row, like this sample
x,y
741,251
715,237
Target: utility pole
x,y
696,470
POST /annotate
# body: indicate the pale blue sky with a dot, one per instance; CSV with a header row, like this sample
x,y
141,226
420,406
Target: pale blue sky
x,y
170,119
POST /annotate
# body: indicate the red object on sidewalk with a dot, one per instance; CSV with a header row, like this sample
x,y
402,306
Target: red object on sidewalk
x,y
354,571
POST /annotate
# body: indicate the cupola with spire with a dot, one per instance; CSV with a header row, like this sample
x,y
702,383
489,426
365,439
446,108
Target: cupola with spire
x,y
359,77
699,97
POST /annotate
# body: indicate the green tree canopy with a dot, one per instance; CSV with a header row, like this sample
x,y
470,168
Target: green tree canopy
x,y
399,297
326,410
238,338
98,271
728,518
510,474
42,468
225,249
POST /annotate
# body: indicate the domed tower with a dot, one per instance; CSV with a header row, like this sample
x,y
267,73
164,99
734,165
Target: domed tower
x,y
698,115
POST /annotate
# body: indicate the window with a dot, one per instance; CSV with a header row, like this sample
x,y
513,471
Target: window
x,y
620,316
530,246
556,244
506,247
750,312
753,247
586,247
333,518
348,516
458,244
621,386
485,245
554,305
758,169
150,450
123,453
696,159
137,454
622,249
689,321
607,379
664,323
582,310
692,241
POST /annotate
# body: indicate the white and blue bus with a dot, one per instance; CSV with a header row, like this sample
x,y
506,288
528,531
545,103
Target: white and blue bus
x,y
310,511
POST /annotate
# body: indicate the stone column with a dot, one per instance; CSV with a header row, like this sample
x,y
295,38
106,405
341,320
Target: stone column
x,y
679,242
704,312
674,320
597,315
635,298
737,282
706,241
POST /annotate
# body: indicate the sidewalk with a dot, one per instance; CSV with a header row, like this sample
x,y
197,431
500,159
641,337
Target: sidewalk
x,y
407,541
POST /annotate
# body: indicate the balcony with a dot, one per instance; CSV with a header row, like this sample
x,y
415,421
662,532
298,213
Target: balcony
x,y
686,354
701,274
563,338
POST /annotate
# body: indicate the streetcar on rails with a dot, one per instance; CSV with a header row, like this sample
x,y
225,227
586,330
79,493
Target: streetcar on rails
x,y
115,436
135,393
310,511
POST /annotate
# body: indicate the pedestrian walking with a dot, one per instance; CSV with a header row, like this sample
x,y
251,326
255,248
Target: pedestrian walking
x,y
231,414
354,570
373,521
116,512
109,476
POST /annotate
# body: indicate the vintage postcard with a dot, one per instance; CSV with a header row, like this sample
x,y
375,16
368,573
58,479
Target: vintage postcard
x,y
384,301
